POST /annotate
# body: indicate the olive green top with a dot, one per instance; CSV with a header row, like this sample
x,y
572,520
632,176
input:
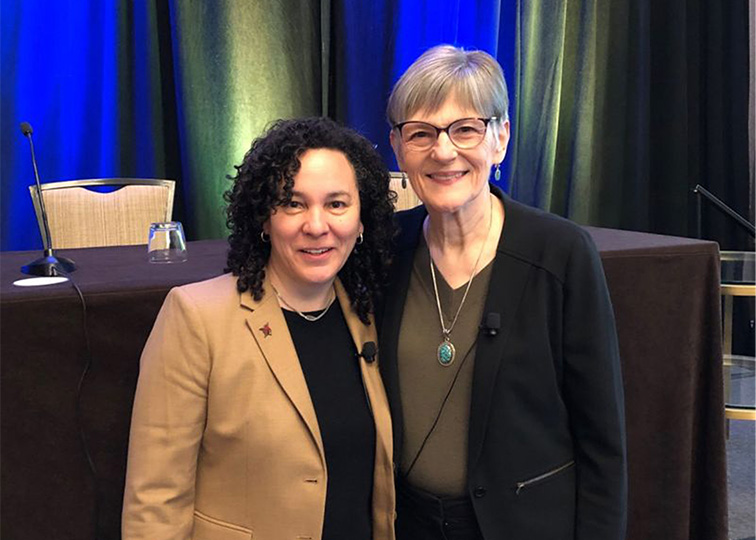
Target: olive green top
x,y
441,467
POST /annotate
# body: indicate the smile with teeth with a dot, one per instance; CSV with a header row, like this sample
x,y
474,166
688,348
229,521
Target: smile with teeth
x,y
316,251
453,175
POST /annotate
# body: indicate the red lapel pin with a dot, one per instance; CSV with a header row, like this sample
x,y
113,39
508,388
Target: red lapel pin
x,y
266,330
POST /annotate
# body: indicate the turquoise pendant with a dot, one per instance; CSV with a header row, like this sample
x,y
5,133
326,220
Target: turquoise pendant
x,y
445,353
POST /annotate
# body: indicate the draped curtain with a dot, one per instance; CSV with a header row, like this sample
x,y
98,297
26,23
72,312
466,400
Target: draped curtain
x,y
87,82
148,88
238,66
624,107
618,108
373,43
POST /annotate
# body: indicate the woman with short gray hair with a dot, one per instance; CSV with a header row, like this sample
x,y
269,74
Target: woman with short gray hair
x,y
499,349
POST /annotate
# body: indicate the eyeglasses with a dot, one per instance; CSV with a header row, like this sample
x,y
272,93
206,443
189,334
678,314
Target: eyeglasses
x,y
464,133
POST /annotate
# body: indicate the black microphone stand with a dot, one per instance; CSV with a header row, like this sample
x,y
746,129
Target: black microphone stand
x,y
48,265
722,207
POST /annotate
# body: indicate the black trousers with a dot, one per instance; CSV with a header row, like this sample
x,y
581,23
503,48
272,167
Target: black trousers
x,y
423,516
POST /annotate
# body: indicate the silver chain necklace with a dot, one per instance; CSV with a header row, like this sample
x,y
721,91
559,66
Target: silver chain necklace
x,y
305,316
446,352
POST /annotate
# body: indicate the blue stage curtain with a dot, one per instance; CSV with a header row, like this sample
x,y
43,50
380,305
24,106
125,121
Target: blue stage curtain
x,y
147,88
86,76
618,108
373,43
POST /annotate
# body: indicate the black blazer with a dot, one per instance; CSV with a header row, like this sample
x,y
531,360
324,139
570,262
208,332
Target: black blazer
x,y
546,446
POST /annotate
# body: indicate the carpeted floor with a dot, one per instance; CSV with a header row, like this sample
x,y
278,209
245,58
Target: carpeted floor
x,y
741,479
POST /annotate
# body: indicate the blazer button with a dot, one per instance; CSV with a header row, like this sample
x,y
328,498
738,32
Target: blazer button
x,y
479,492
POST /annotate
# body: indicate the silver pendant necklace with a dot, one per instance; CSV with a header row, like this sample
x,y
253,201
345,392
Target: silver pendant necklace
x,y
305,316
446,352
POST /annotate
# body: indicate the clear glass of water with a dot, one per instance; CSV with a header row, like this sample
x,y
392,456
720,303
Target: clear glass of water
x,y
167,243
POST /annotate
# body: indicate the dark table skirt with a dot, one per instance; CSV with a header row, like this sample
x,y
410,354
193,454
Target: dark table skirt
x,y
665,292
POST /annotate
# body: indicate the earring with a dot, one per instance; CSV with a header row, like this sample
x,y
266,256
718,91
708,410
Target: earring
x,y
360,239
265,238
404,180
497,172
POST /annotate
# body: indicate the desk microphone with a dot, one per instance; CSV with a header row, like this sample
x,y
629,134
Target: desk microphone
x,y
49,264
369,350
492,325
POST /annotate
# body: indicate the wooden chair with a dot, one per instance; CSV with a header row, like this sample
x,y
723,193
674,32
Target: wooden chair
x,y
80,217
406,197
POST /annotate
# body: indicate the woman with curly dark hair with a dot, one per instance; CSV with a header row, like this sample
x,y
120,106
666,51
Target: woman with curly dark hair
x,y
259,409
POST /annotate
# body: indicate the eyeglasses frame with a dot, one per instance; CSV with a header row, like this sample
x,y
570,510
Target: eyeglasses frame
x,y
440,130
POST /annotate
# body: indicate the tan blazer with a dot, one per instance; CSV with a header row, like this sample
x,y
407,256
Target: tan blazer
x,y
225,443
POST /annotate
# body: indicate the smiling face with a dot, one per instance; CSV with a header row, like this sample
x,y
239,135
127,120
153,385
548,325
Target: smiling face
x,y
312,236
446,178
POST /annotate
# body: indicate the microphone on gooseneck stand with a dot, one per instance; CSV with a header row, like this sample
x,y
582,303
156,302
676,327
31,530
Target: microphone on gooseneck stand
x,y
722,207
49,264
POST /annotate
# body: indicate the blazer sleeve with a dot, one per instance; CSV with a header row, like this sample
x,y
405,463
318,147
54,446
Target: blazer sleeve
x,y
167,423
593,393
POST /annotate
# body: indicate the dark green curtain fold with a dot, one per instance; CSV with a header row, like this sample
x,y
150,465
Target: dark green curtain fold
x,y
623,107
239,65
619,108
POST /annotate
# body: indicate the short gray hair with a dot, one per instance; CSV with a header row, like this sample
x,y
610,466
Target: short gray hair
x,y
475,78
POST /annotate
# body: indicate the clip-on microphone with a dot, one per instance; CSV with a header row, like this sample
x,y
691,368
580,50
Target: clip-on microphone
x,y
369,350
492,325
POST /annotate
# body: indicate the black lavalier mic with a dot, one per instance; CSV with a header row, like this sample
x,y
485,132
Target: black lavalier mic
x,y
369,350
49,264
492,325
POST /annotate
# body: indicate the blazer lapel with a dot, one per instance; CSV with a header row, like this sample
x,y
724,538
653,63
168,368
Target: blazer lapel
x,y
383,474
401,269
509,277
271,334
371,378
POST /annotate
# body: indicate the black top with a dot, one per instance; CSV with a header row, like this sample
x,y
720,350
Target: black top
x,y
332,370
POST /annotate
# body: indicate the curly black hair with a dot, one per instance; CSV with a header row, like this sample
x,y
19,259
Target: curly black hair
x,y
265,180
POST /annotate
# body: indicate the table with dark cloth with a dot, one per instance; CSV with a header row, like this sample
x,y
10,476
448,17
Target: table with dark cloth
x,y
665,292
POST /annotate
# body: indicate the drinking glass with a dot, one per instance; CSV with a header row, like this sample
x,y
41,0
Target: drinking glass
x,y
167,243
